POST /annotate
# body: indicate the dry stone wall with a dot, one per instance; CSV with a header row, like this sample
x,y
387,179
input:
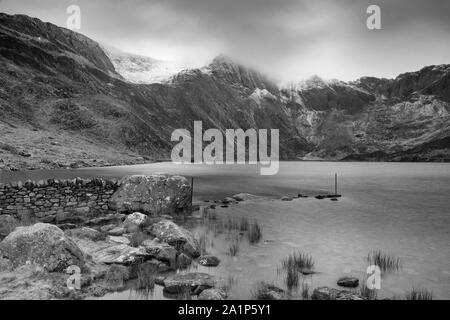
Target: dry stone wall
x,y
56,201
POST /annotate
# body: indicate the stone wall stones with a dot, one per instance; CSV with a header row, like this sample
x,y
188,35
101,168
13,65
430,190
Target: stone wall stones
x,y
56,201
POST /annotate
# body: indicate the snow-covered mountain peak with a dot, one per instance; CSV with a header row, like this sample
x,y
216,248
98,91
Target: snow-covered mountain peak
x,y
141,69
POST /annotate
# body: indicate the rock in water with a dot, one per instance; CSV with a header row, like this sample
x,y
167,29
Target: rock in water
x,y
160,250
195,281
182,239
326,293
209,261
212,294
42,244
267,291
152,194
244,196
348,282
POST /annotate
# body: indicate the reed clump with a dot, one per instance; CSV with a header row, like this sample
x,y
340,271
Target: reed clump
x,y
254,234
233,248
419,294
385,261
299,261
366,292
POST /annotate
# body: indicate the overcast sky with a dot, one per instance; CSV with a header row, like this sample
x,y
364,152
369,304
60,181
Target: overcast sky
x,y
288,39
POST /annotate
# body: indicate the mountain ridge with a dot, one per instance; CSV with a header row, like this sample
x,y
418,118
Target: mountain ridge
x,y
63,104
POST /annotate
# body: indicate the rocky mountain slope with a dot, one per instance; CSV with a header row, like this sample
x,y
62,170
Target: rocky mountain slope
x,y
63,103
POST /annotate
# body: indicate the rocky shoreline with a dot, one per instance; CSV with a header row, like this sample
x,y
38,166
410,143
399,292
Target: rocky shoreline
x,y
138,242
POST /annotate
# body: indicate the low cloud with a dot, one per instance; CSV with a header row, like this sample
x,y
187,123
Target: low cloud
x,y
288,39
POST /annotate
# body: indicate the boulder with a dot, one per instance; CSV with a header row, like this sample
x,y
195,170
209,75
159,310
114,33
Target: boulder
x,y
118,231
209,261
123,240
152,194
286,198
348,282
212,294
178,237
7,225
326,293
160,250
134,221
110,252
86,233
267,291
41,244
195,281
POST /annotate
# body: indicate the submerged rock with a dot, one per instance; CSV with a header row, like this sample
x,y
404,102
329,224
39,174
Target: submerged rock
x,y
326,293
209,261
176,236
41,244
195,282
348,282
152,194
212,294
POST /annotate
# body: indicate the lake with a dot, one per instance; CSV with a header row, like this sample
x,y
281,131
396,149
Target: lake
x,y
400,208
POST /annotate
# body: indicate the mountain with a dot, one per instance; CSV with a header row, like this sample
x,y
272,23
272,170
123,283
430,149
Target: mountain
x,y
66,101
375,119
141,69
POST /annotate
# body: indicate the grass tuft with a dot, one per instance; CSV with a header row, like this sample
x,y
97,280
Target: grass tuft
x,y
146,275
305,291
254,233
366,292
419,294
228,284
233,248
302,262
244,224
386,262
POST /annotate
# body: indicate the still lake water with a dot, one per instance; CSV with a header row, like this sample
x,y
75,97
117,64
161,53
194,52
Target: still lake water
x,y
400,208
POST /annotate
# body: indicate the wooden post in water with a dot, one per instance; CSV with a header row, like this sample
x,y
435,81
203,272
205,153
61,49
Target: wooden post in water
x,y
335,184
192,190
